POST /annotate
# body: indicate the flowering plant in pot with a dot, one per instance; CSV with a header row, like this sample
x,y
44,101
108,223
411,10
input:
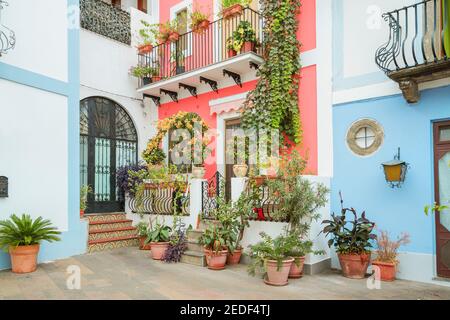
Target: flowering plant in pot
x,y
214,243
199,21
158,237
244,37
352,241
386,254
168,31
84,192
271,258
230,47
21,236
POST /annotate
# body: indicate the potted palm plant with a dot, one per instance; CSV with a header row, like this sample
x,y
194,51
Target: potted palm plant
x,y
158,237
353,243
84,192
271,257
214,243
386,254
21,236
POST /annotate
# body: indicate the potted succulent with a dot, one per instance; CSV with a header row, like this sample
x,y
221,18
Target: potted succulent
x,y
158,237
21,236
199,21
271,257
386,254
232,8
147,37
244,37
84,192
214,243
352,243
142,228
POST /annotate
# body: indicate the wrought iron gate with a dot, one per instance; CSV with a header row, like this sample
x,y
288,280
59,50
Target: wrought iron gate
x,y
108,141
212,189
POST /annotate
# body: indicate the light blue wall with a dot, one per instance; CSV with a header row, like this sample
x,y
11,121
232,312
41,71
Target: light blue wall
x,y
74,241
361,180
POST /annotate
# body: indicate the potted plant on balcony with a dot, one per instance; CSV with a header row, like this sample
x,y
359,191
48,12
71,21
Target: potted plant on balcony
x,y
244,37
352,243
230,47
84,192
232,8
168,32
21,236
199,21
271,258
158,237
146,73
386,254
147,37
213,241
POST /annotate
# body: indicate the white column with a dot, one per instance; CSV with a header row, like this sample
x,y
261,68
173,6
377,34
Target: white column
x,y
195,207
237,187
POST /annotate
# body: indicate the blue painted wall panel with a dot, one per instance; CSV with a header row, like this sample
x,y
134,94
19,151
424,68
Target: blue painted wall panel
x,y
361,179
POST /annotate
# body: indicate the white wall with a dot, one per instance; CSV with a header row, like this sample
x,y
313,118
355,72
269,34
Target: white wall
x,y
33,144
41,45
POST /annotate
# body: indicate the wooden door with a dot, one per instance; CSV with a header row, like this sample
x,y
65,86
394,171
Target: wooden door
x,y
442,195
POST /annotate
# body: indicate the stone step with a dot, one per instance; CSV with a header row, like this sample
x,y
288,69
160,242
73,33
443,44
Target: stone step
x,y
194,258
194,235
109,225
115,233
194,246
113,243
106,217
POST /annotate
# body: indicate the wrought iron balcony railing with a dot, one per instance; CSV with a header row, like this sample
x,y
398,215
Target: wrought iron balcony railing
x,y
419,35
105,19
195,50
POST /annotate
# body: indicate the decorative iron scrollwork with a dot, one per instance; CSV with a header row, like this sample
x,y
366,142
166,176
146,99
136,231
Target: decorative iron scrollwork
x,y
7,36
211,190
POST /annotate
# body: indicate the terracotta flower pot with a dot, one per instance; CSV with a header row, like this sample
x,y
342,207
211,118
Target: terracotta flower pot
x,y
248,46
388,270
231,53
216,261
24,258
235,257
174,36
145,48
297,268
142,245
158,249
232,11
277,277
354,266
201,26
198,172
259,180
240,170
156,78
81,213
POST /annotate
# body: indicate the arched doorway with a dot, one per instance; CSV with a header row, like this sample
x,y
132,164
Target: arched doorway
x,y
108,141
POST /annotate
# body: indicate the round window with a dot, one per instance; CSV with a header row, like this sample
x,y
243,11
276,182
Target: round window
x,y
365,137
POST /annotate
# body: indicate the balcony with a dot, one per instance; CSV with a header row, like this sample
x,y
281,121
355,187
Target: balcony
x,y
418,48
107,20
201,57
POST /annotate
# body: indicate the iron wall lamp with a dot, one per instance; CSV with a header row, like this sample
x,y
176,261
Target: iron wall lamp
x,y
395,171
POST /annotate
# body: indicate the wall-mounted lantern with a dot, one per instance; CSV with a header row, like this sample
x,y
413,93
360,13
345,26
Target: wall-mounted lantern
x,y
395,171
3,187
7,36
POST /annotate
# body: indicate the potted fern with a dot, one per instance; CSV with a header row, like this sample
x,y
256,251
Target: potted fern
x,y
21,236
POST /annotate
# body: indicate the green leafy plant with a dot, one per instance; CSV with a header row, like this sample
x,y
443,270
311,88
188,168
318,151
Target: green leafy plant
x,y
142,228
274,103
144,71
300,247
243,33
156,156
197,17
349,240
24,231
277,249
148,33
229,3
159,233
434,208
214,238
84,192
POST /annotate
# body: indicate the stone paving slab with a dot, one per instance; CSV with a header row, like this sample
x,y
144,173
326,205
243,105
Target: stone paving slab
x,y
128,273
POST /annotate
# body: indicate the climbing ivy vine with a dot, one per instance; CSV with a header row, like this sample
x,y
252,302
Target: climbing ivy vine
x,y
274,102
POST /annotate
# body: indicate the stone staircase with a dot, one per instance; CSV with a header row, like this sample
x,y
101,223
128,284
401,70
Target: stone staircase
x,y
194,254
110,231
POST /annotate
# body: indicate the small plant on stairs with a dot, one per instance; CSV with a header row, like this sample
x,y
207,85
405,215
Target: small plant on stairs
x,y
158,237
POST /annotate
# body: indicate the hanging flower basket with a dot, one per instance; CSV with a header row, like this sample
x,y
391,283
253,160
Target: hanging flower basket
x,y
201,26
145,48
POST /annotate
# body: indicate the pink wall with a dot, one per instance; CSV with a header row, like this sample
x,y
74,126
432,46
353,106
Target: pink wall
x,y
307,25
205,6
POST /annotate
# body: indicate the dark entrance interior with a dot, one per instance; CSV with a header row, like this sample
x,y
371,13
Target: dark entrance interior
x,y
108,141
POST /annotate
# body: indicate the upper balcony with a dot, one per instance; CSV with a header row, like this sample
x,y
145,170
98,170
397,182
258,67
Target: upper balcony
x,y
418,48
201,56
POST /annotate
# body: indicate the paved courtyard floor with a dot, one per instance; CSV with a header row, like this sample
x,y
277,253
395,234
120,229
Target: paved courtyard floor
x,y
128,273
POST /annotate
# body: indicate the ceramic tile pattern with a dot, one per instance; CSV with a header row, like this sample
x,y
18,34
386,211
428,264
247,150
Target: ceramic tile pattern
x,y
128,273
